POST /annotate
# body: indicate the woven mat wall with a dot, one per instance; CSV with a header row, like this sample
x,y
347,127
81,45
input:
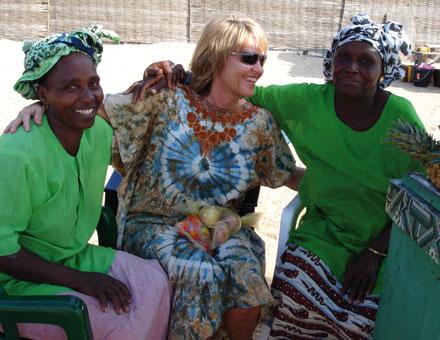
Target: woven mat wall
x,y
23,19
287,23
299,24
134,21
421,19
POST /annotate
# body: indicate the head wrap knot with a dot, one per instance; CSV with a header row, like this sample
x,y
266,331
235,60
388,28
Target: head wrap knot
x,y
42,55
388,39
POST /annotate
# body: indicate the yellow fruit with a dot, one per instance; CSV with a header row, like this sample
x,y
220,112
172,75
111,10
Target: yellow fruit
x,y
210,214
205,232
433,171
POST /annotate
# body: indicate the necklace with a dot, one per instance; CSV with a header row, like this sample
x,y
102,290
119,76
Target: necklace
x,y
209,135
368,112
359,115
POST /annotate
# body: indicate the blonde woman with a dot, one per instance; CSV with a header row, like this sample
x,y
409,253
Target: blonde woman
x,y
202,142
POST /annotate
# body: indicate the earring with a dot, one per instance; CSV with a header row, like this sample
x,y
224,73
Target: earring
x,y
45,107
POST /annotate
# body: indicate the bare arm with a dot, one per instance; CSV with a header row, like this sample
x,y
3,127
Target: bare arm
x,y
25,265
156,77
296,177
34,110
361,273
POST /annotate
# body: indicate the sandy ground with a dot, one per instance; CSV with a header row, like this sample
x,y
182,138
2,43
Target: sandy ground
x,y
124,64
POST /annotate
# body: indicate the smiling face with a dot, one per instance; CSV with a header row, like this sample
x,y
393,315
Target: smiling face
x,y
237,79
72,93
357,68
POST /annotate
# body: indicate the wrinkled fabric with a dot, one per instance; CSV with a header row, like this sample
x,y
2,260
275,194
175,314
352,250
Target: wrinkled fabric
x,y
345,185
148,317
51,201
42,55
174,149
388,39
311,305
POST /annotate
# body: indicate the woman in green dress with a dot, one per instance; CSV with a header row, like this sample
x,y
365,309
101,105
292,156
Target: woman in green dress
x,y
51,193
330,279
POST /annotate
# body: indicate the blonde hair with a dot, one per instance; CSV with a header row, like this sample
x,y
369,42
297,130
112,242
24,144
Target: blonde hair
x,y
218,39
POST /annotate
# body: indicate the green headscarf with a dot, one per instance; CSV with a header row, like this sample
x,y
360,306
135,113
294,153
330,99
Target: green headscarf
x,y
42,55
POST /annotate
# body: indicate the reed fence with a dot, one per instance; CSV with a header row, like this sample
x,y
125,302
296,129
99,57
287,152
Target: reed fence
x,y
290,24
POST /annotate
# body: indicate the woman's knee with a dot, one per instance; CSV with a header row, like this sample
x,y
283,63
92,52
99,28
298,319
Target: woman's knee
x,y
242,314
241,322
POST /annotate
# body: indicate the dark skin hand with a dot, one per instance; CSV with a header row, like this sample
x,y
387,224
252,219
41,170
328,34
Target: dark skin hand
x,y
362,269
156,77
295,179
150,84
173,73
27,266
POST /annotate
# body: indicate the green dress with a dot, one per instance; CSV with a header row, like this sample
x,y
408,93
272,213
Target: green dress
x,y
51,201
345,185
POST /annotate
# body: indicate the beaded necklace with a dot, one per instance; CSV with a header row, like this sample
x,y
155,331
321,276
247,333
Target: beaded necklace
x,y
209,138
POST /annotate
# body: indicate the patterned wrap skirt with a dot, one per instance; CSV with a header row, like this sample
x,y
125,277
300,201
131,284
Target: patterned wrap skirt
x,y
311,305
205,286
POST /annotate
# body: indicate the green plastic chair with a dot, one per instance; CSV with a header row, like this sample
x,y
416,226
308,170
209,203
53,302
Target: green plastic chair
x,y
68,312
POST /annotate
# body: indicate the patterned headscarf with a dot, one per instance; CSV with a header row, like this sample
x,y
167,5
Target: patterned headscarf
x,y
42,55
388,39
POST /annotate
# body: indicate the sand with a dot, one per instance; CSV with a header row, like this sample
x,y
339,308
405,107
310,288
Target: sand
x,y
124,64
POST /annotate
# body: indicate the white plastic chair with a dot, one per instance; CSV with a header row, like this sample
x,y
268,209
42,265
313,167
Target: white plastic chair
x,y
289,218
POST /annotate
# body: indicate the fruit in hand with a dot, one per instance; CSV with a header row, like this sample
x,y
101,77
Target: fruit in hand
x,y
208,226
210,214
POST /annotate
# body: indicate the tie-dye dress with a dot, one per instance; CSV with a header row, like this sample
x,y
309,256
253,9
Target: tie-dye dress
x,y
176,148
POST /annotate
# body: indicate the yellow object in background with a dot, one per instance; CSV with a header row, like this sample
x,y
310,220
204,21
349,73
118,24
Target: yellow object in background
x,y
408,73
424,49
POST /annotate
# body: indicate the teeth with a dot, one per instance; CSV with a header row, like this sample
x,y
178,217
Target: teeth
x,y
85,112
252,79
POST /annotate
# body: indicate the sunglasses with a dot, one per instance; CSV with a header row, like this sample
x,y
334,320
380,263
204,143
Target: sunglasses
x,y
250,58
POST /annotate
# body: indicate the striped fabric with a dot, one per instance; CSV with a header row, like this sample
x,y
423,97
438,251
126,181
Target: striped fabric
x,y
311,306
411,206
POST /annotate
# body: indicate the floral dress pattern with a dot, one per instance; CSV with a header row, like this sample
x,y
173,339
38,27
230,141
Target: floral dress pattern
x,y
175,148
